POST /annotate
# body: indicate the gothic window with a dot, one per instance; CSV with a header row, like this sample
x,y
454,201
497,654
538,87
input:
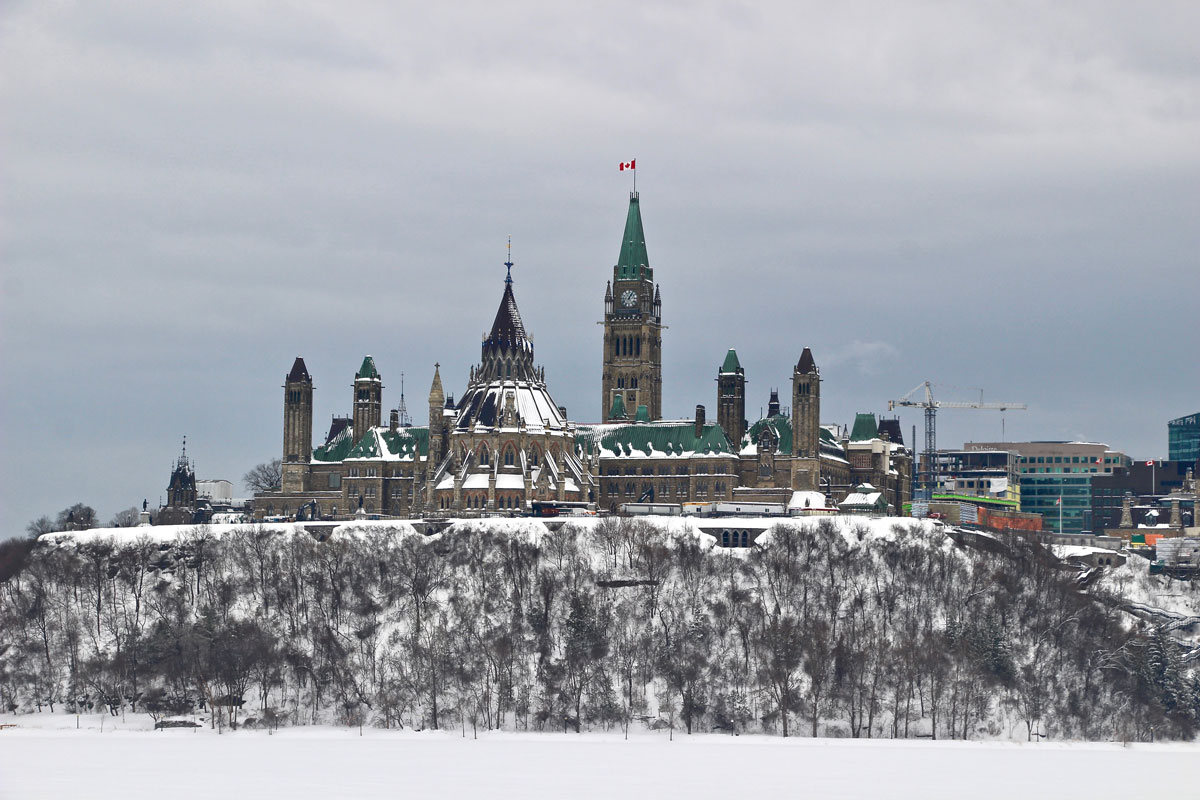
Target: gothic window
x,y
725,538
633,383
509,455
483,455
508,369
745,539
533,456
621,383
638,343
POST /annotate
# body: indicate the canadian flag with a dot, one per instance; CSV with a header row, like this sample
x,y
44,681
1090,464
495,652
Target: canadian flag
x,y
631,164
1149,463
1058,502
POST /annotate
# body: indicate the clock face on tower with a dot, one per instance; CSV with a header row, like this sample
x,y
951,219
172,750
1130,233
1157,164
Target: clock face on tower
x,y
629,298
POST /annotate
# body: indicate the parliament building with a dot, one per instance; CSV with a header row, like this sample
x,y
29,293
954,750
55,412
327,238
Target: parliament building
x,y
505,443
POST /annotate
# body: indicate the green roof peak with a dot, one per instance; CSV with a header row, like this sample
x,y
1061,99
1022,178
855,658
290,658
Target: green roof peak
x,y
643,414
865,428
367,370
633,263
617,412
731,362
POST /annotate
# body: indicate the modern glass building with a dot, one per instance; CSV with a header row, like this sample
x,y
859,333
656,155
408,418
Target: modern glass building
x,y
1056,479
1183,438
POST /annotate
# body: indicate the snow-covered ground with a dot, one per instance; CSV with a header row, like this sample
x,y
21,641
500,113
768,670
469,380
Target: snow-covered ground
x,y
59,762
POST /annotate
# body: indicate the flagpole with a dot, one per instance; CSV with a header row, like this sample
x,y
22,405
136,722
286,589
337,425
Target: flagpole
x,y
1060,530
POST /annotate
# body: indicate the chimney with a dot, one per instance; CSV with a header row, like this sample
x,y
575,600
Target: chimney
x,y
394,422
699,421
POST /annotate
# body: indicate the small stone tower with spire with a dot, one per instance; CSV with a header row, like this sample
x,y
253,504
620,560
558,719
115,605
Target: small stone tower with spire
x,y
368,398
731,399
632,325
297,426
437,424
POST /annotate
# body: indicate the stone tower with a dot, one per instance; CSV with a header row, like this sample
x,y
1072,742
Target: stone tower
x,y
806,407
368,398
297,426
632,325
731,399
806,424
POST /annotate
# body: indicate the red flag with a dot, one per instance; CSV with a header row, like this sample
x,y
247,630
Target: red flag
x,y
631,164
1149,463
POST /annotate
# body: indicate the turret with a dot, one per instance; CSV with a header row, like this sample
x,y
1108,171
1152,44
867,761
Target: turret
x,y
297,426
731,398
806,407
368,398
437,424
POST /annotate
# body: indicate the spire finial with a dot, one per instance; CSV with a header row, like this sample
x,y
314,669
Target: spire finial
x,y
508,263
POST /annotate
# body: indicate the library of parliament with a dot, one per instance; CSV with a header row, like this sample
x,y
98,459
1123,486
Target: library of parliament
x,y
504,443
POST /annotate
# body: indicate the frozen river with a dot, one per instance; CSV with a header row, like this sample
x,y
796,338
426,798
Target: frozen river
x,y
335,763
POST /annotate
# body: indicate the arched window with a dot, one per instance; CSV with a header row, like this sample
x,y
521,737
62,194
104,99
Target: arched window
x,y
745,539
638,343
508,369
483,455
633,383
509,456
533,456
725,538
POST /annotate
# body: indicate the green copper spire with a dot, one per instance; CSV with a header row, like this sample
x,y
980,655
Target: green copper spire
x,y
633,263
367,370
731,365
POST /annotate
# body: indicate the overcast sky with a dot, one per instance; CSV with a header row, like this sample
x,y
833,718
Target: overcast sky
x,y
988,196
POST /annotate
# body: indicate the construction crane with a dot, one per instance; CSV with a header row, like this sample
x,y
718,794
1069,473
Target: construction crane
x,y
928,480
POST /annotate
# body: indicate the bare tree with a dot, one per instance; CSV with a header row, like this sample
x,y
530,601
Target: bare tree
x,y
41,525
125,519
266,477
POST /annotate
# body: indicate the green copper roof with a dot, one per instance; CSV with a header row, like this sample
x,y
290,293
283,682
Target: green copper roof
x,y
731,362
407,441
338,449
642,415
400,443
781,425
617,411
367,370
864,428
671,438
633,263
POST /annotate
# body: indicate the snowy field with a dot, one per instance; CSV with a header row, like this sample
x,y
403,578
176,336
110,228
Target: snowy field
x,y
338,763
